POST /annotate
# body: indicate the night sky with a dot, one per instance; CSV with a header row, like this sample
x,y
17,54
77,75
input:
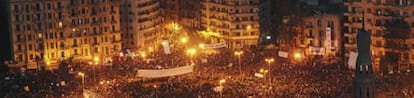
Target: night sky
x,y
4,33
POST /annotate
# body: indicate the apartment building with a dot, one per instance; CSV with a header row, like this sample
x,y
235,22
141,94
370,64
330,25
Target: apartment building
x,y
53,30
390,23
236,20
186,13
320,35
141,24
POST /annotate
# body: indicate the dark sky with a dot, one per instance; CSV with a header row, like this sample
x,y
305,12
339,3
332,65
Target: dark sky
x,y
4,32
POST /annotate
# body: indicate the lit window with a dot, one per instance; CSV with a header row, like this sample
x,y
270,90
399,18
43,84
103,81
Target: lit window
x,y
60,24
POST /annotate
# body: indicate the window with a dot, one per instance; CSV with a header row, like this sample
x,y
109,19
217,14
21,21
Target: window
x,y
16,8
19,47
319,22
27,17
51,35
31,56
237,34
49,6
60,24
18,28
29,37
20,57
18,37
62,45
30,47
49,16
28,27
52,46
26,7
63,54
61,34
16,17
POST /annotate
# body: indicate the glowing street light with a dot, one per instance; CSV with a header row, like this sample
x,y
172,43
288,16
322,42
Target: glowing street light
x,y
238,54
96,59
150,49
201,46
164,43
155,88
47,63
297,55
222,81
184,40
191,52
143,55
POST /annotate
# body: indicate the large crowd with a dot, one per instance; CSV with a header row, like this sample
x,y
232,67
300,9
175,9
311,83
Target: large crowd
x,y
289,80
285,79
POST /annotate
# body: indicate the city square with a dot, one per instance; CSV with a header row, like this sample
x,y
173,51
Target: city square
x,y
207,49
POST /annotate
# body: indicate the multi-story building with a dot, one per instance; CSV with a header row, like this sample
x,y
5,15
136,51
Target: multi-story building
x,y
187,13
390,24
236,20
140,22
320,35
53,30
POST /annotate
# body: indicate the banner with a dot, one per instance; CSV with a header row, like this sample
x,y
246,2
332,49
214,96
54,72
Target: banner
x,y
283,54
352,60
328,38
166,46
214,46
316,50
166,72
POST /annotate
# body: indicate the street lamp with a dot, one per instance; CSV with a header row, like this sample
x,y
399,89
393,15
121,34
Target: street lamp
x,y
221,82
269,60
83,81
95,60
184,40
201,46
143,55
164,43
297,55
155,88
191,52
238,54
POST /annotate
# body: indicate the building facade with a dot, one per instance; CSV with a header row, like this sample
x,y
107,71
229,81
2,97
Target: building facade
x,y
141,24
237,21
320,35
53,30
390,24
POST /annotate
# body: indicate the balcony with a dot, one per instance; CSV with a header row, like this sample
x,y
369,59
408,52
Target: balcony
x,y
116,41
59,9
95,43
15,11
40,49
113,12
114,21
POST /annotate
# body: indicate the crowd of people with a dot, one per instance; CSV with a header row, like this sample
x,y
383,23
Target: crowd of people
x,y
289,80
285,78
